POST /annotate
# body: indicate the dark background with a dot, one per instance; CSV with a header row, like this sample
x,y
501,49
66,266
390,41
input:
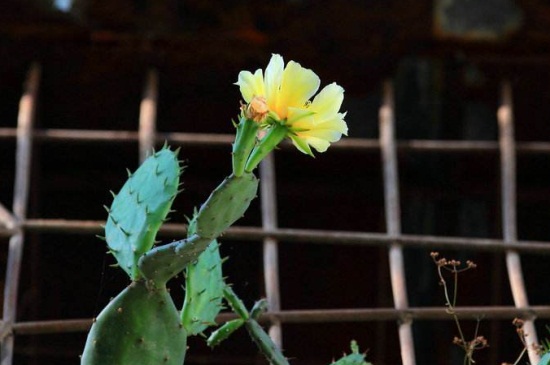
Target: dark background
x,y
447,65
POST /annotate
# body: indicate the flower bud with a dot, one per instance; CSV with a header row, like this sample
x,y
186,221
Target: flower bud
x,y
257,109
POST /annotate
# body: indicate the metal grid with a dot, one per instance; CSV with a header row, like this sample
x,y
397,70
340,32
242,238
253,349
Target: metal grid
x,y
13,224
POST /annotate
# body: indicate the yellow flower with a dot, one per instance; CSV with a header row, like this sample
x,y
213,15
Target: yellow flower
x,y
287,92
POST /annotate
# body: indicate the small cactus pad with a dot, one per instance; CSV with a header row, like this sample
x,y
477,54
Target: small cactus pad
x,y
226,204
140,326
235,302
162,263
224,332
355,358
203,289
266,345
244,142
140,207
262,340
259,308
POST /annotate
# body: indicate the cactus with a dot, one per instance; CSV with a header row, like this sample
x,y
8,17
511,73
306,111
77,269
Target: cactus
x,y
140,207
203,288
140,326
224,332
355,358
226,204
262,340
272,353
245,140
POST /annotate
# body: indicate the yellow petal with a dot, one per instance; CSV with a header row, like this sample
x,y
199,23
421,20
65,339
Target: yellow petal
x,y
319,144
329,135
251,84
329,100
273,78
335,122
301,118
298,85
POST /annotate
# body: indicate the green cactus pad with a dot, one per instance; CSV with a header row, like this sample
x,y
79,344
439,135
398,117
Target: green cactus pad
x,y
203,289
224,332
226,204
162,263
266,345
140,207
259,308
244,142
262,340
235,302
140,326
355,358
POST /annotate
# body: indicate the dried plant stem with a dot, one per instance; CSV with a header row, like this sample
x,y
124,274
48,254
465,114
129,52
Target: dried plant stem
x,y
455,268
